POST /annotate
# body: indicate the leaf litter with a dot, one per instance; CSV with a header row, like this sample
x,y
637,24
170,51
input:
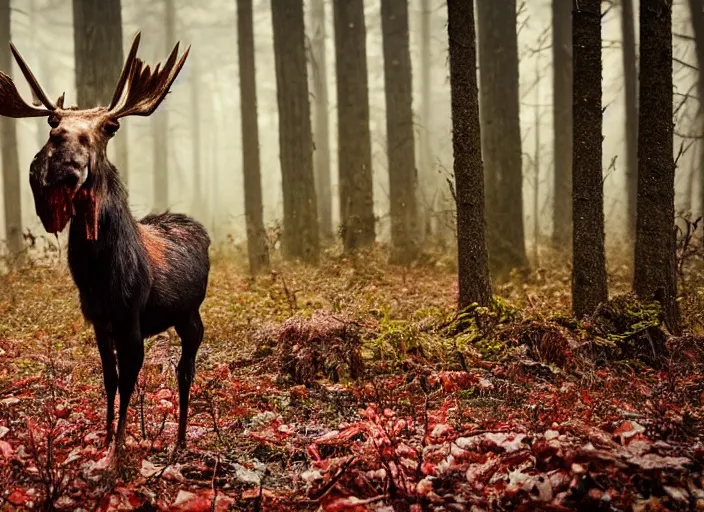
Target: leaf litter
x,y
357,388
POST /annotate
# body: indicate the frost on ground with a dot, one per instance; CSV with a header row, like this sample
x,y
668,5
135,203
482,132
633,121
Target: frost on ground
x,y
359,389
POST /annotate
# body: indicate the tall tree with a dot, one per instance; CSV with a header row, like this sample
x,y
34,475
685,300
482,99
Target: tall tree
x,y
321,124
562,122
501,133
474,277
254,211
655,267
696,8
630,78
403,176
160,123
588,258
300,237
197,198
99,55
427,181
10,159
354,138
40,63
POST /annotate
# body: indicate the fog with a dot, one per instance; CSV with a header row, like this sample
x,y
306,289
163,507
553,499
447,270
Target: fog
x,y
43,32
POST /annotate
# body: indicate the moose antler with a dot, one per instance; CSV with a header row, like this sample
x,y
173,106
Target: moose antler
x,y
140,90
11,103
32,80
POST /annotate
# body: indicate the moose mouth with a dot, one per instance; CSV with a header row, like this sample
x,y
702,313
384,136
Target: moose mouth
x,y
54,203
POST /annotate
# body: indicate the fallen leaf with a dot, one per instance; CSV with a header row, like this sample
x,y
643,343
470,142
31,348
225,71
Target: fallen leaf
x,y
149,469
190,502
6,450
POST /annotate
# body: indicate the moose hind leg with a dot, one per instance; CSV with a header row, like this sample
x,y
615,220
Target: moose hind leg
x,y
106,348
191,333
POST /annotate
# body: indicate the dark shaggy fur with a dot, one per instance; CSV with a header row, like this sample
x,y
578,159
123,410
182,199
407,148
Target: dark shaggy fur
x,y
135,280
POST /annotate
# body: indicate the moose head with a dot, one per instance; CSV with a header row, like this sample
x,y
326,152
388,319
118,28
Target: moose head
x,y
67,174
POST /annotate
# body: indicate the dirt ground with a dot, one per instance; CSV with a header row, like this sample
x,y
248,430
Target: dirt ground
x,y
356,386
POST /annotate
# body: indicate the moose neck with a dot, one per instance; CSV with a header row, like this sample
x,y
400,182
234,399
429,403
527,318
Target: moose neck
x,y
103,222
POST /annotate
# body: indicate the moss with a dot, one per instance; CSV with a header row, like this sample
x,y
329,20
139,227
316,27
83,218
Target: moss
x,y
626,329
492,349
624,316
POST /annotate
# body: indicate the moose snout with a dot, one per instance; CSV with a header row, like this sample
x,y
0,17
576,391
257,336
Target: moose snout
x,y
69,172
71,179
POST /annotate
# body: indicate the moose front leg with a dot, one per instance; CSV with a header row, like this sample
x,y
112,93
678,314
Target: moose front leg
x,y
106,347
130,357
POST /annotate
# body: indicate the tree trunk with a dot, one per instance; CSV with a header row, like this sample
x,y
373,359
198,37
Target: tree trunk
x,y
99,56
160,123
630,78
474,278
12,192
696,8
403,176
536,168
427,185
354,138
300,237
321,125
501,133
257,247
562,123
655,273
588,259
197,207
40,63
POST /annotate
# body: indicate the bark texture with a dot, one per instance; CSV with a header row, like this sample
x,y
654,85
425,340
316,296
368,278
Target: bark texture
x,y
321,124
501,133
562,123
655,272
11,188
474,277
257,246
300,237
354,138
99,56
403,176
588,259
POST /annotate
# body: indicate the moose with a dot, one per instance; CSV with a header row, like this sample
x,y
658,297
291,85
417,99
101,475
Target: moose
x,y
135,278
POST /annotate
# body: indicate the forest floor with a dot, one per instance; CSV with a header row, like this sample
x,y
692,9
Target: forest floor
x,y
356,386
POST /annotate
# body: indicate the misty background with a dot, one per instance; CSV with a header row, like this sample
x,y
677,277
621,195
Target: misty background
x,y
205,176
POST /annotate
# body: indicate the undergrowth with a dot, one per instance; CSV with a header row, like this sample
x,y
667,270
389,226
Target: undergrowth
x,y
346,372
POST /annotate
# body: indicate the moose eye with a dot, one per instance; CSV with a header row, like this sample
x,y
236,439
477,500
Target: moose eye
x,y
53,121
110,127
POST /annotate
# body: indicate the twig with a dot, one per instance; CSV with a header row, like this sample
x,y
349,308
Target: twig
x,y
333,481
212,484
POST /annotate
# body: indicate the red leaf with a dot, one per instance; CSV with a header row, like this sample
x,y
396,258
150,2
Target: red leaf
x,y
18,498
586,397
62,411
